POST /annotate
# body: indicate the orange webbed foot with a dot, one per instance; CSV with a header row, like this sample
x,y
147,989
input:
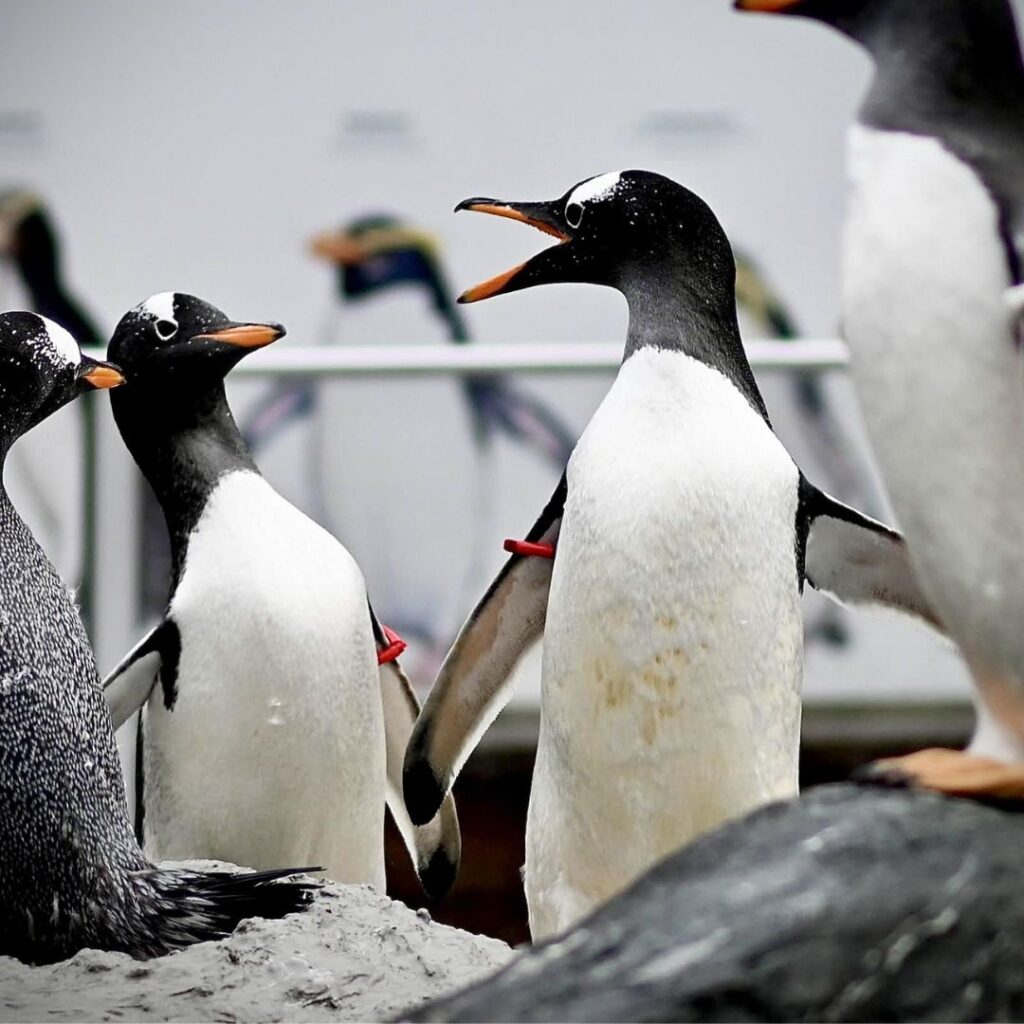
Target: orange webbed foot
x,y
952,772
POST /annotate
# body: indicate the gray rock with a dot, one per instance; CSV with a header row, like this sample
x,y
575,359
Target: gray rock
x,y
353,955
850,904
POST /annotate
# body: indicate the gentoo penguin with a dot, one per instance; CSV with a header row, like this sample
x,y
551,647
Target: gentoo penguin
x,y
281,717
71,873
932,301
681,535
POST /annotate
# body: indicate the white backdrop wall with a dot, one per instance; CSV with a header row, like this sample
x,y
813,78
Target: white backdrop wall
x,y
197,145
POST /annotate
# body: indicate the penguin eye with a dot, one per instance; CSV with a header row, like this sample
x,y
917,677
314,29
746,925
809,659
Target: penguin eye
x,y
166,329
573,214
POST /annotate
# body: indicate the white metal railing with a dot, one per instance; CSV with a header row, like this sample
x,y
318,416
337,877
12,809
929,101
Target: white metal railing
x,y
531,357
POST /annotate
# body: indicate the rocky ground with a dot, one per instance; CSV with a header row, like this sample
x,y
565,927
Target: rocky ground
x,y
354,955
852,903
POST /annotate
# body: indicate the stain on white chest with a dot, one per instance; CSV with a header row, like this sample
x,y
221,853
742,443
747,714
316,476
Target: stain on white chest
x,y
673,640
275,746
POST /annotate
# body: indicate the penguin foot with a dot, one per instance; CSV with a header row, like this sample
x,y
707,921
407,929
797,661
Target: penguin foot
x,y
948,771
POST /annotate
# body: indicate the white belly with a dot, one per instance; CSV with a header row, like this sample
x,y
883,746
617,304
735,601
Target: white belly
x,y
274,753
672,649
939,378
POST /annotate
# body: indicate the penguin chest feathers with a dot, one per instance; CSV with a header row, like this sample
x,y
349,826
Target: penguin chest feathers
x,y
277,722
673,640
923,252
674,621
270,587
938,369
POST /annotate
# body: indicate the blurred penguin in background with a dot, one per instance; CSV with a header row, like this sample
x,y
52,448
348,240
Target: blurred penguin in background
x,y
60,506
933,303
812,427
475,424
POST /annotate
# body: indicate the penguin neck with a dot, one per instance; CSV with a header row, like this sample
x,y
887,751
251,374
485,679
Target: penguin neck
x,y
183,445
927,79
667,313
8,513
18,546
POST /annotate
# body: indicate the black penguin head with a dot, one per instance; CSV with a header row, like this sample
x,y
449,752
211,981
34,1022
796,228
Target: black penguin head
x,y
179,339
846,15
911,29
42,369
629,230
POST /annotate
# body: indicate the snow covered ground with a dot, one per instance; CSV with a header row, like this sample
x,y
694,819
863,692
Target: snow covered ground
x,y
353,955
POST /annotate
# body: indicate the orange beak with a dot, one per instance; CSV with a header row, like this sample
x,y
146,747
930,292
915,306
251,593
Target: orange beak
x,y
497,210
103,376
338,248
492,286
244,335
496,284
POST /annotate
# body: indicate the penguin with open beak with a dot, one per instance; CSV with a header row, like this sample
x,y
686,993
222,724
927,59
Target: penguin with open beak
x,y
665,573
275,714
933,295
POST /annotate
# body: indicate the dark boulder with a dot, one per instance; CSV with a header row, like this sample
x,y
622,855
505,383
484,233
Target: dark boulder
x,y
851,903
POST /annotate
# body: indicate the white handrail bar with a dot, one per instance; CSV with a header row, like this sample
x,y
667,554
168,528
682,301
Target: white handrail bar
x,y
429,360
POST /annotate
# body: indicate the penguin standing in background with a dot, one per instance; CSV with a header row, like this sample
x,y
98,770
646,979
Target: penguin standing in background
x,y
28,237
71,873
933,293
377,254
665,573
810,420
281,716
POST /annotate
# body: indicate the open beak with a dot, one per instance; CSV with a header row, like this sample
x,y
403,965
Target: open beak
x,y
542,216
244,335
99,376
767,6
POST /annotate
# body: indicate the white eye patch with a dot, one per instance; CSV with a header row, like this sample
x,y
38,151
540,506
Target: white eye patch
x,y
596,188
161,309
62,343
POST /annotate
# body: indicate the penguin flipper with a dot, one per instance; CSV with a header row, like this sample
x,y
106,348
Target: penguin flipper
x,y
436,847
129,685
472,686
857,560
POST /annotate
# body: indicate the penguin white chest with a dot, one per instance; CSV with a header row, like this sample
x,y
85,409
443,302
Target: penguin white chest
x,y
273,752
939,377
673,641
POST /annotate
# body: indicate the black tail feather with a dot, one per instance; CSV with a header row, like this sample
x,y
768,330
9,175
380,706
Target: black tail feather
x,y
181,907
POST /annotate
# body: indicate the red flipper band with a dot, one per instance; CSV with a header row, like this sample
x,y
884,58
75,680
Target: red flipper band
x,y
528,549
394,648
